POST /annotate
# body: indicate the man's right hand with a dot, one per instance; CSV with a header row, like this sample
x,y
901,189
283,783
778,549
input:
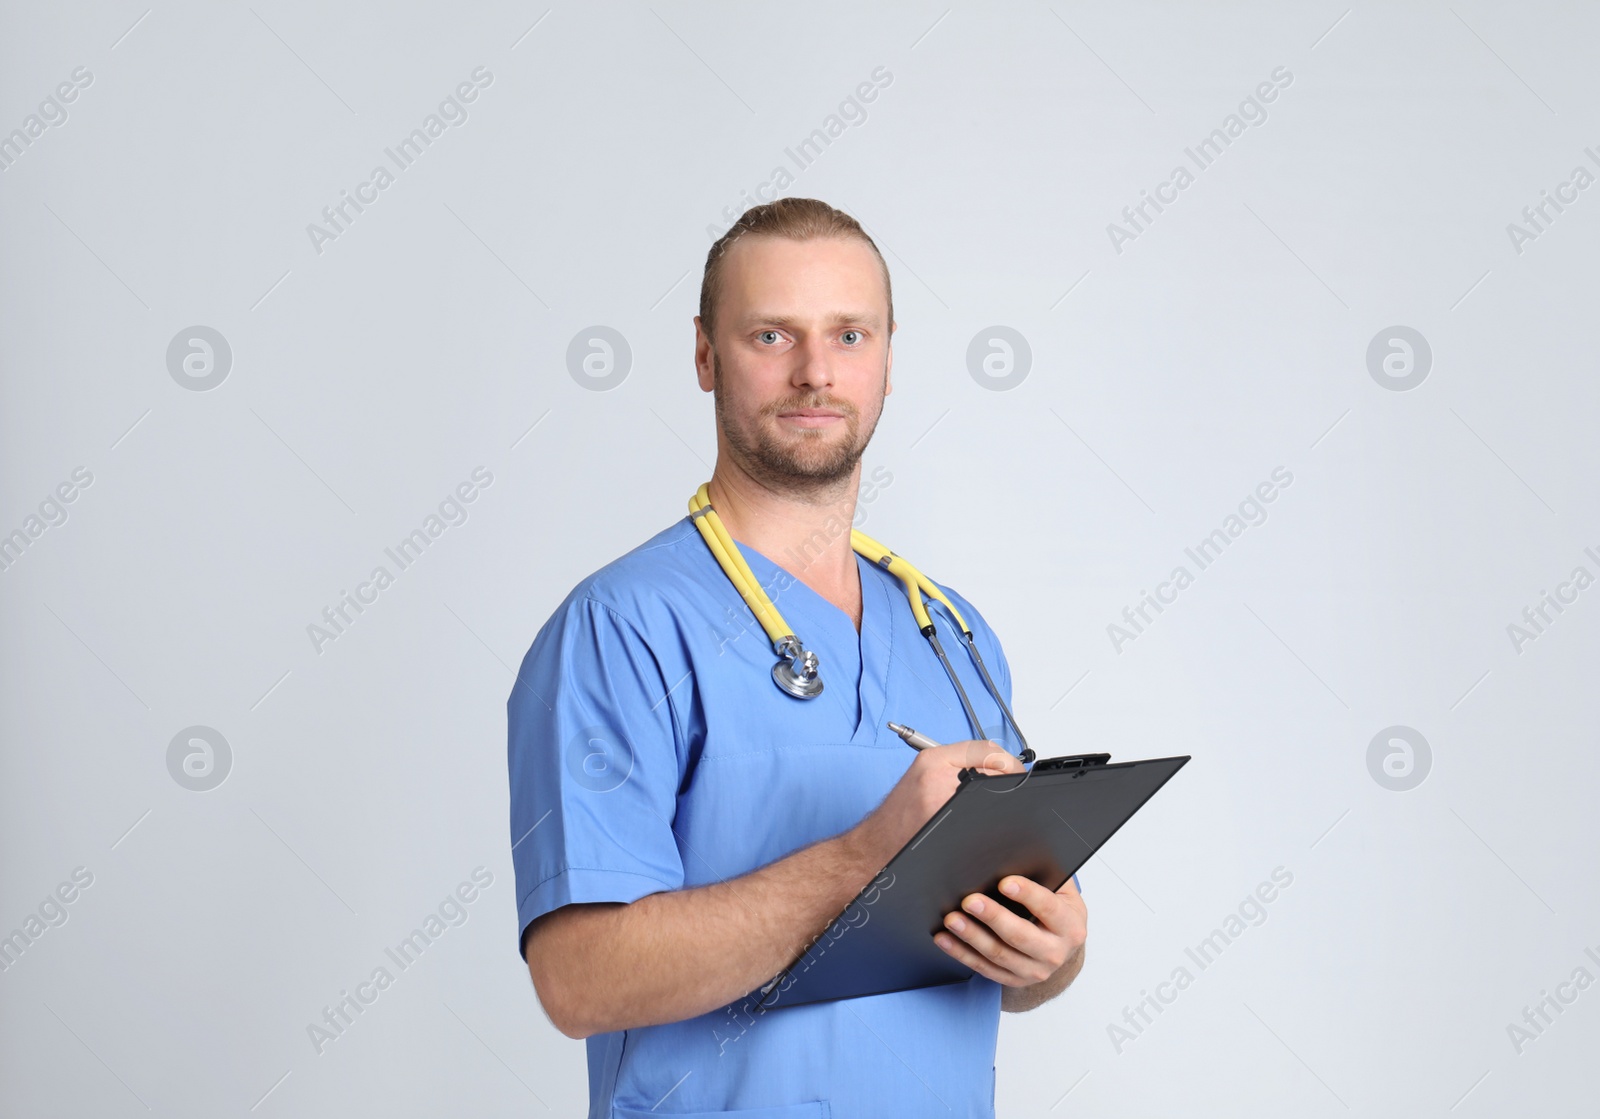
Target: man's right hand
x,y
600,967
922,790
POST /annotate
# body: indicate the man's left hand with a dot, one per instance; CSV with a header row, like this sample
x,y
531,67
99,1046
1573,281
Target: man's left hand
x,y
1011,950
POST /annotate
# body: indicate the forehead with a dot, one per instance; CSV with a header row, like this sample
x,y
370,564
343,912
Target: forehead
x,y
776,275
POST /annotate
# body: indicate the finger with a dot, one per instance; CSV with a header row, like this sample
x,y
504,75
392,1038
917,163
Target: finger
x,y
1032,964
986,754
1073,899
953,947
1010,941
966,954
1054,909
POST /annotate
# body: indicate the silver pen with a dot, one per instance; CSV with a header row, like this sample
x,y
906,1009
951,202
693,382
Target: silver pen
x,y
912,738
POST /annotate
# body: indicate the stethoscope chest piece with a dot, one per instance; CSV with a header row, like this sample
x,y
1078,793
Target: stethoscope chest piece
x,y
796,671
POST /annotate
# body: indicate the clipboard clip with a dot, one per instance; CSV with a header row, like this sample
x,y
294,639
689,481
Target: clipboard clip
x,y
1071,761
1047,765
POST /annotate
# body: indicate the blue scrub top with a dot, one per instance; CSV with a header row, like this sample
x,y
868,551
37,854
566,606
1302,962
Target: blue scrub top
x,y
650,750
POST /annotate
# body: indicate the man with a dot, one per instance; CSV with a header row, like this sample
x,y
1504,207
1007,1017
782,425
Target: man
x,y
682,827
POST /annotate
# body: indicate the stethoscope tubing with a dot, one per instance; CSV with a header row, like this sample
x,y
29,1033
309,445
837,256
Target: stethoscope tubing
x,y
800,677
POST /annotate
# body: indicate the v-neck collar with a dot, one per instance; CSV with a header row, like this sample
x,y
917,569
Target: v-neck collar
x,y
874,649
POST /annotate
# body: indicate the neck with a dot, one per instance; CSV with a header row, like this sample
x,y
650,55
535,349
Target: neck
x,y
805,529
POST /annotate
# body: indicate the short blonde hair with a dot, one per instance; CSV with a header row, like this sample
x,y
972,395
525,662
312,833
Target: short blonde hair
x,y
798,219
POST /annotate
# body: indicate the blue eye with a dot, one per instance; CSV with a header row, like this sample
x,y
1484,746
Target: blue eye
x,y
772,333
847,336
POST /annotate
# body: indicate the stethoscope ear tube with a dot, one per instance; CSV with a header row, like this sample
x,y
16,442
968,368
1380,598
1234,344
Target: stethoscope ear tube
x,y
797,672
1027,755
932,635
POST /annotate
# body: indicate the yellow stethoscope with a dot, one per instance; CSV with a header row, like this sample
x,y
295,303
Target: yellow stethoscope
x,y
797,670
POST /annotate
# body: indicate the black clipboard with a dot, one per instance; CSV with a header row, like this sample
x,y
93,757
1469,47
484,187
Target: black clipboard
x,y
1043,824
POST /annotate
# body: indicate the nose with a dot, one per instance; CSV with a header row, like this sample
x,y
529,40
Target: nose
x,y
813,366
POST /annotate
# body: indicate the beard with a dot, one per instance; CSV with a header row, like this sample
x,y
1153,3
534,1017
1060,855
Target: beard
x,y
813,458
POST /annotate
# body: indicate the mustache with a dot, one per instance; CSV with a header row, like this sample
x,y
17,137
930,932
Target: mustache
x,y
843,407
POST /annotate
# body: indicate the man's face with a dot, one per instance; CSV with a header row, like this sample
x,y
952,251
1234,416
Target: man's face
x,y
801,359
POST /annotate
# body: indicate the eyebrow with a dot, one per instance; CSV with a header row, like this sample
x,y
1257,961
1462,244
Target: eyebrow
x,y
836,318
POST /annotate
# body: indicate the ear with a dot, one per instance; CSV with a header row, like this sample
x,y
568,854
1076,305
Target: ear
x,y
888,362
702,357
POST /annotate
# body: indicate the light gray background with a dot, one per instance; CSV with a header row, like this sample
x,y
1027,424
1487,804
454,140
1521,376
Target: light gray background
x,y
1168,380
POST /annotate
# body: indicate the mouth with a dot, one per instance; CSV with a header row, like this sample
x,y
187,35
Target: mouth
x,y
811,417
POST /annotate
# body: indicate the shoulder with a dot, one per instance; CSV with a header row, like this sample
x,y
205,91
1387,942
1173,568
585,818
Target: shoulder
x,y
969,612
646,587
988,641
665,568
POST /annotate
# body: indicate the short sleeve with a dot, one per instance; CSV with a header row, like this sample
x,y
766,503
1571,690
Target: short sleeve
x,y
594,763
